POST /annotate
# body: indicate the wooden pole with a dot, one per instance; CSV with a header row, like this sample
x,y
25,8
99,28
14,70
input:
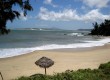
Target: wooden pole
x,y
1,75
45,71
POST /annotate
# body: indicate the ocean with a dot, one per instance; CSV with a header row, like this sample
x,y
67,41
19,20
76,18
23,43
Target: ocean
x,y
20,42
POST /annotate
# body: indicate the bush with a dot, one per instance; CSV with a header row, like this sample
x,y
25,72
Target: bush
x,y
24,78
105,68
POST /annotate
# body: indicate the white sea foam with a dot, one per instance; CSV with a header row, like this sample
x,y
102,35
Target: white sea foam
x,y
75,34
19,51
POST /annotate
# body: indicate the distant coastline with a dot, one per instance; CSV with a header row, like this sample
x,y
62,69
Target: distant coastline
x,y
37,29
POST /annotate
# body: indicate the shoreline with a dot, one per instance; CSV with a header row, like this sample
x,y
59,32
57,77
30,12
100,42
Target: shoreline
x,y
55,47
24,65
64,50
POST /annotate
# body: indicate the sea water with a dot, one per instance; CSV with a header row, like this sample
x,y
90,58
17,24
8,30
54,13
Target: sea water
x,y
20,42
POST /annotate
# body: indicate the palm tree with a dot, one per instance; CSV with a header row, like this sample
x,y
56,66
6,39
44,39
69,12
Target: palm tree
x,y
44,62
7,12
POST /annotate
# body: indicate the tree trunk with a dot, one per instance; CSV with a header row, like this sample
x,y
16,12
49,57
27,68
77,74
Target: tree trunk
x,y
45,71
1,75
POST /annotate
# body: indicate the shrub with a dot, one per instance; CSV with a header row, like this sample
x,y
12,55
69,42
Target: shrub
x,y
105,68
24,78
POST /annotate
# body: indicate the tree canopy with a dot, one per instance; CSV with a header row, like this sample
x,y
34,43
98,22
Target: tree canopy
x,y
102,29
8,14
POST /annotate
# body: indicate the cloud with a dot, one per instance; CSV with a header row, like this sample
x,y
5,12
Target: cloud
x,y
94,15
64,15
96,3
83,7
70,14
22,17
49,2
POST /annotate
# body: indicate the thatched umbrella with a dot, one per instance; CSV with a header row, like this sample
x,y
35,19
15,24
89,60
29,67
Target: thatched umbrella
x,y
44,62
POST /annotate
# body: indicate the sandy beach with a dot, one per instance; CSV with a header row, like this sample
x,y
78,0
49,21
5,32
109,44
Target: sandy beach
x,y
24,65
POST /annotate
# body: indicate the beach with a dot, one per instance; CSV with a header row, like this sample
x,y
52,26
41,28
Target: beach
x,y
65,59
74,34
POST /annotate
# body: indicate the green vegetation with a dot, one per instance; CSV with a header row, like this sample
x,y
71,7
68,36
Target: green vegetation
x,y
102,29
102,73
8,14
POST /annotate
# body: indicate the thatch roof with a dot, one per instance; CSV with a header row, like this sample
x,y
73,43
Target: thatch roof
x,y
44,62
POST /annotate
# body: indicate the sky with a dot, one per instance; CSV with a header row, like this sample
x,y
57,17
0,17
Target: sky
x,y
63,14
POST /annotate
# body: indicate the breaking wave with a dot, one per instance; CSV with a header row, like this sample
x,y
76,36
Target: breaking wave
x,y
9,52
